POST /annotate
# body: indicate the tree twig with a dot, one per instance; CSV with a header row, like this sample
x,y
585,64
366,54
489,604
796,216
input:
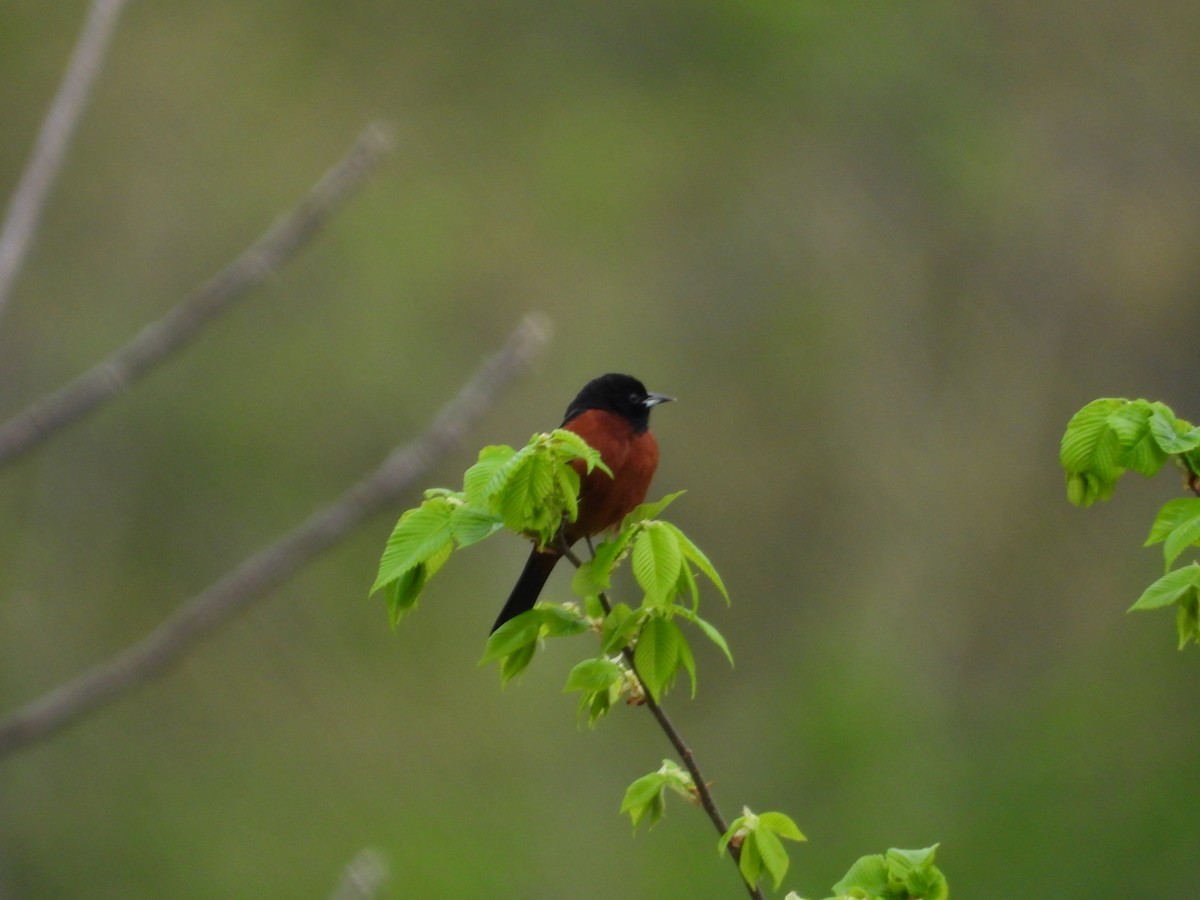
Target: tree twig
x,y
50,148
204,613
707,802
162,338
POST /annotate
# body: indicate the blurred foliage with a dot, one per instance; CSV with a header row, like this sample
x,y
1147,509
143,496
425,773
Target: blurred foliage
x,y
881,252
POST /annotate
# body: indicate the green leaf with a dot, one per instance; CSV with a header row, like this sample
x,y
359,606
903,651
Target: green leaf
x,y
914,869
770,849
695,555
645,797
650,510
420,533
782,824
560,620
521,500
470,525
601,566
738,824
686,661
708,628
593,675
1185,534
518,632
517,662
750,861
1091,452
868,875
1171,515
401,594
656,561
568,489
1187,620
656,655
477,479
1171,434
576,447
1132,426
1171,588
619,628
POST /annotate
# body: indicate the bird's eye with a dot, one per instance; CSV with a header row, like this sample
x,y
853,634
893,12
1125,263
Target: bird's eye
x,y
636,399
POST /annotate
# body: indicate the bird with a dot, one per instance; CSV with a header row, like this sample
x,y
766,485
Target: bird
x,y
611,413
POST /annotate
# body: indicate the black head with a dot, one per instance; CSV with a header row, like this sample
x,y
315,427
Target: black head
x,y
620,394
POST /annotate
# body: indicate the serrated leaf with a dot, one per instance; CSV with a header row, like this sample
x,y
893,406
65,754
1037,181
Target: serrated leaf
x,y
1187,620
696,556
1171,588
1170,516
401,594
687,586
646,511
656,561
656,655
568,490
686,660
916,871
576,447
418,535
517,662
750,861
605,561
593,675
521,501
1141,451
519,631
1173,435
868,874
1185,534
559,620
478,478
1091,452
645,797
618,629
1085,435
770,849
782,824
715,636
734,827
470,525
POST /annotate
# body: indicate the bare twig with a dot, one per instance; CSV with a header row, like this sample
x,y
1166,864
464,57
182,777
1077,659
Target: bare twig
x,y
233,592
707,802
159,340
25,206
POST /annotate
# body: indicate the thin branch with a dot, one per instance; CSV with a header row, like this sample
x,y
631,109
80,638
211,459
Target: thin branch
x,y
28,200
159,340
707,802
203,614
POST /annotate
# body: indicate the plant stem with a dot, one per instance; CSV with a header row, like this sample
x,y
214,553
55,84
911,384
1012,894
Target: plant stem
x,y
685,753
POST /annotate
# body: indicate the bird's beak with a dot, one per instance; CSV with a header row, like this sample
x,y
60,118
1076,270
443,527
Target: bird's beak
x,y
653,399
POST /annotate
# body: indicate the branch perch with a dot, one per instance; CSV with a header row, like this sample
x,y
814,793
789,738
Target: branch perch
x,y
707,802
179,326
50,148
207,611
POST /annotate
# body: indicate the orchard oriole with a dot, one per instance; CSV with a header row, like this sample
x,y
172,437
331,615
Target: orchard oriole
x,y
611,413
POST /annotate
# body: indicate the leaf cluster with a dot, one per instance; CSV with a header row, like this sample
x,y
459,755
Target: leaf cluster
x,y
1110,436
530,491
759,839
895,875
642,649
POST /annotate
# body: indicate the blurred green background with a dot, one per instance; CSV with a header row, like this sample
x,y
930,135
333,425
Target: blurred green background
x,y
880,251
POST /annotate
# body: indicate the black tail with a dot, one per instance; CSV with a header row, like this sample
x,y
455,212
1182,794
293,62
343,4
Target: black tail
x,y
525,593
